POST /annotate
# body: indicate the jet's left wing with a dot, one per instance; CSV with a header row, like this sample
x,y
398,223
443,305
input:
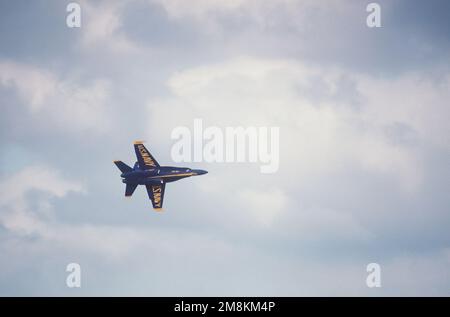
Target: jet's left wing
x,y
145,159
156,195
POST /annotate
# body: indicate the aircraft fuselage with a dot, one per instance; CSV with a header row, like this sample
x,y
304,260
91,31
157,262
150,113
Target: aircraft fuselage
x,y
148,172
160,174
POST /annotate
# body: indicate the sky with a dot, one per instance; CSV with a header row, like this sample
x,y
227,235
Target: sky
x,y
364,171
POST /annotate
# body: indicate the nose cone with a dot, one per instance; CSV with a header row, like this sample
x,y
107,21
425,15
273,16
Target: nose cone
x,y
200,172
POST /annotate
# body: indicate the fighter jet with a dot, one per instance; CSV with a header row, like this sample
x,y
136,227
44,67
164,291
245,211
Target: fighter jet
x,y
148,172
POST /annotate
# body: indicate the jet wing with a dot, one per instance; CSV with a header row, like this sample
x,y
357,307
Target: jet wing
x,y
145,159
156,195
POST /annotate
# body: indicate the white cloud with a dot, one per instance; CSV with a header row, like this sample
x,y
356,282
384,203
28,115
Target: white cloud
x,y
15,214
33,85
260,12
22,219
325,125
334,124
142,256
199,8
413,100
417,274
264,206
137,253
65,103
102,26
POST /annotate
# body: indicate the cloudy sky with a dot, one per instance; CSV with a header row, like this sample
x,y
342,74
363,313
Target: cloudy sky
x,y
364,170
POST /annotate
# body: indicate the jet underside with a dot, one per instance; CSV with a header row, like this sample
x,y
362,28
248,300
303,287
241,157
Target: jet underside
x,y
148,172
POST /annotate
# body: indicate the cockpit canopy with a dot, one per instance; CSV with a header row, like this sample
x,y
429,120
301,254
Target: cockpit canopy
x,y
181,170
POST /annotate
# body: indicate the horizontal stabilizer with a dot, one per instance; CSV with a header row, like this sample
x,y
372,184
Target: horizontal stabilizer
x,y
129,190
124,168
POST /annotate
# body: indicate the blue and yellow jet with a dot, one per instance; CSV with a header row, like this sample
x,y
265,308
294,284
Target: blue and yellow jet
x,y
148,172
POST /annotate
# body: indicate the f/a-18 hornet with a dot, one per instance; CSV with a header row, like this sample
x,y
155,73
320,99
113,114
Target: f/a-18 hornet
x,y
148,172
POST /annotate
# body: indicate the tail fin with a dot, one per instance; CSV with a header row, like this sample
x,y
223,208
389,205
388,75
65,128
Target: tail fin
x,y
124,168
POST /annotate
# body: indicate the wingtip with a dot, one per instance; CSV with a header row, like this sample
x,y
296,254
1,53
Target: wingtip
x,y
158,209
138,142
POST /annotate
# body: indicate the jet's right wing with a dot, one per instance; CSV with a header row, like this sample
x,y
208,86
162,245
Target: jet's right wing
x,y
145,159
156,195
